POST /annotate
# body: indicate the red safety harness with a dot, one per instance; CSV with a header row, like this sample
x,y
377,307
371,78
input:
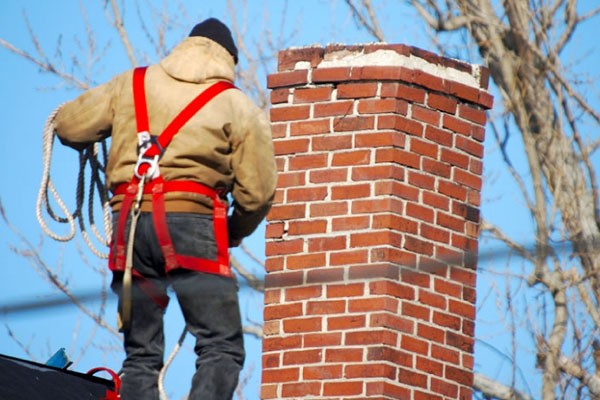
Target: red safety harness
x,y
147,180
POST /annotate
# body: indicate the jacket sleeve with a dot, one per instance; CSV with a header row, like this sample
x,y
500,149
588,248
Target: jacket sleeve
x,y
255,175
87,119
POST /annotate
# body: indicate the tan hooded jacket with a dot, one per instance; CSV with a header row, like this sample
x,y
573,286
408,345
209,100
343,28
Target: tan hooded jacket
x,y
226,145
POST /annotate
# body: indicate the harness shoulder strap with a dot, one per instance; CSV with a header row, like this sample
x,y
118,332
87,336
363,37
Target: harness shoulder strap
x,y
141,110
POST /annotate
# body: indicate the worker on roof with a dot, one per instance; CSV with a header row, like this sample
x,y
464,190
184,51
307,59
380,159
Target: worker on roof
x,y
175,190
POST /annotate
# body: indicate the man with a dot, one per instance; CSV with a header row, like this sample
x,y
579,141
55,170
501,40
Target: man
x,y
177,190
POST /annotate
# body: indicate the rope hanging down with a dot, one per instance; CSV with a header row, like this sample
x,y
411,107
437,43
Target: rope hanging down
x,y
90,155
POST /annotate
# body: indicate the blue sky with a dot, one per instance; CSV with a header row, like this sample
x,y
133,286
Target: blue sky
x,y
29,96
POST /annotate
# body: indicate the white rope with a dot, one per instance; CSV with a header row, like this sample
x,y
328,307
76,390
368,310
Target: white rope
x,y
89,155
163,371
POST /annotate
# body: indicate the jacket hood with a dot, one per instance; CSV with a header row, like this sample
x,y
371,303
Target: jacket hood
x,y
198,59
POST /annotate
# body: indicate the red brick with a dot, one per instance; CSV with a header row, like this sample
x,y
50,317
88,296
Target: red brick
x,y
442,102
328,175
289,113
398,156
290,146
434,233
420,212
462,309
285,180
420,180
456,125
402,91
353,124
470,146
450,222
432,299
371,336
281,343
307,227
416,278
303,261
274,230
452,190
313,94
472,114
462,91
429,366
328,209
372,303
445,354
397,189
301,389
429,81
412,378
306,194
401,124
380,139
284,247
350,223
297,325
331,142
377,106
351,158
447,287
446,320
416,311
391,321
279,96
281,375
348,257
322,372
280,311
377,205
335,74
439,136
327,243
325,275
394,221
460,341
303,293
322,340
298,357
371,370
436,201
374,238
445,388
310,127
356,90
394,289
459,375
426,115
350,191
468,179
345,290
344,355
287,59
414,345
345,388
284,79
335,108
346,322
310,161
455,158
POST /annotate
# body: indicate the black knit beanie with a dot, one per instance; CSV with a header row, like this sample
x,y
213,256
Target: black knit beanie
x,y
216,31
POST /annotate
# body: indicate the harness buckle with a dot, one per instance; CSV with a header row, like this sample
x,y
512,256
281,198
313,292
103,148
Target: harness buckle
x,y
145,142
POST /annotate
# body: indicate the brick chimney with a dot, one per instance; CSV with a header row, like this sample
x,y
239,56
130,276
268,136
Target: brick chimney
x,y
370,286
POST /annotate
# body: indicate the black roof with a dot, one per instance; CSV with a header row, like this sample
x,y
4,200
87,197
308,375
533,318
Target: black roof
x,y
27,380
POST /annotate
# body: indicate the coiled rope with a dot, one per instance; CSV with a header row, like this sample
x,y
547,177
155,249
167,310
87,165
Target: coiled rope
x,y
89,156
